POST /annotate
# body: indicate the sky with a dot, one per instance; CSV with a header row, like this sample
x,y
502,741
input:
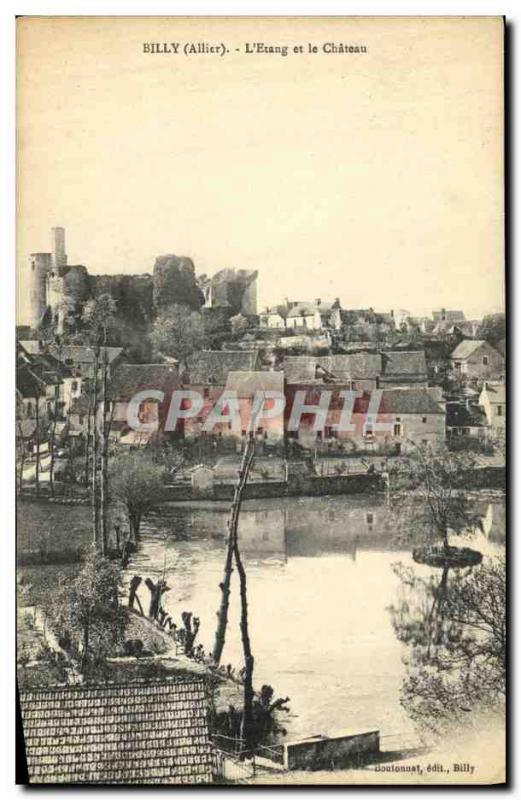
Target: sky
x,y
376,178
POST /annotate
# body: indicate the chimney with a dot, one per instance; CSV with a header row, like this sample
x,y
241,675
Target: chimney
x,y
59,257
318,301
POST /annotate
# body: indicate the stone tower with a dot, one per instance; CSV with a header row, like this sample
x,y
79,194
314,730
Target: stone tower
x,y
46,268
40,265
59,256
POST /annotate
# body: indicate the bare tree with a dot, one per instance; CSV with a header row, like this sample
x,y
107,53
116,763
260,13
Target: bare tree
x,y
233,522
98,316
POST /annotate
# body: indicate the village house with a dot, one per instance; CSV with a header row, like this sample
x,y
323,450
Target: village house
x,y
318,341
80,358
244,386
412,416
274,317
314,315
400,317
448,315
477,359
130,379
43,377
207,373
465,419
493,401
127,380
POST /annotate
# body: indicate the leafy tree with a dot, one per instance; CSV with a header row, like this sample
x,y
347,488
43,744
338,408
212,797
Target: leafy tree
x,y
492,328
178,332
86,613
427,484
239,324
455,631
137,483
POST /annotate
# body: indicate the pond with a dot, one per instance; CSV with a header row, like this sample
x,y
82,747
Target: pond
x,y
320,581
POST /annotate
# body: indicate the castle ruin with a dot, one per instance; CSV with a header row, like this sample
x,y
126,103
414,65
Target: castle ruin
x,y
56,287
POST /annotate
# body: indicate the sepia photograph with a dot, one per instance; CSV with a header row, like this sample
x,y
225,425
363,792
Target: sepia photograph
x,y
261,401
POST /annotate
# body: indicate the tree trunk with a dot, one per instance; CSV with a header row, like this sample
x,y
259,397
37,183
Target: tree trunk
x,y
104,458
95,503
247,729
51,453
37,465
87,441
222,614
22,457
85,645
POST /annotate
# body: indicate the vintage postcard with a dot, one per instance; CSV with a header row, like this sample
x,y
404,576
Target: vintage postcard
x,y
261,400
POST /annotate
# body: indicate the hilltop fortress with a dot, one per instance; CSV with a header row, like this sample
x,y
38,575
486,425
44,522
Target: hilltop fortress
x,y
56,285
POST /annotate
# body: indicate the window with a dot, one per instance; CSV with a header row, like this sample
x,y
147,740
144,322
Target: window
x,y
206,393
485,361
424,419
74,386
499,411
397,429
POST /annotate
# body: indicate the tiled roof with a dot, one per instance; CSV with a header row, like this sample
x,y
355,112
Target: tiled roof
x,y
131,378
501,347
409,401
81,354
137,733
28,384
404,362
303,309
282,311
352,367
466,348
213,366
300,369
247,383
